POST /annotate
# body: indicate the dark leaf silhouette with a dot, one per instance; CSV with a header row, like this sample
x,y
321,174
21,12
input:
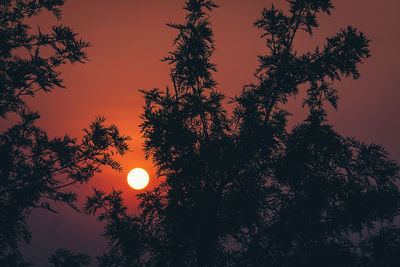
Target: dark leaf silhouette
x,y
66,258
247,190
36,170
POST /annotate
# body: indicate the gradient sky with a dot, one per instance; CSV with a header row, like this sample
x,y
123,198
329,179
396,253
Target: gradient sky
x,y
129,38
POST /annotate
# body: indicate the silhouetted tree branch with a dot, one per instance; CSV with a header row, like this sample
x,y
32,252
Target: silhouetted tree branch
x,y
36,170
250,191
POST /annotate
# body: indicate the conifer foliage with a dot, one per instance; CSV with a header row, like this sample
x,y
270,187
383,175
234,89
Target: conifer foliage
x,y
35,169
246,189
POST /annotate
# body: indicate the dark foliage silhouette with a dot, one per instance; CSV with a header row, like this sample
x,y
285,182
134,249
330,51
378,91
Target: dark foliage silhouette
x,y
383,248
247,190
35,169
66,258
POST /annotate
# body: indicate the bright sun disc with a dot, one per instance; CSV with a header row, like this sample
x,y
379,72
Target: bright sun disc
x,y
138,178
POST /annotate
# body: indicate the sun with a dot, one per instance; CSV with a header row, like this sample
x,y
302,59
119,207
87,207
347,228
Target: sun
x,y
138,178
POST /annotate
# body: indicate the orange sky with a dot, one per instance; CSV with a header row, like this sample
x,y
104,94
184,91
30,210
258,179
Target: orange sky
x,y
129,38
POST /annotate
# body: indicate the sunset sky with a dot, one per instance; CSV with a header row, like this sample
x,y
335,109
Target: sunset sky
x,y
130,38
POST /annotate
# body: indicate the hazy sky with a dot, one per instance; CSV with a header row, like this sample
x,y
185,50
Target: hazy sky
x,y
129,38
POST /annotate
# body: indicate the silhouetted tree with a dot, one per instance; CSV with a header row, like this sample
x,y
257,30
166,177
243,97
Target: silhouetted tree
x,y
327,186
66,258
36,170
187,135
383,248
250,191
